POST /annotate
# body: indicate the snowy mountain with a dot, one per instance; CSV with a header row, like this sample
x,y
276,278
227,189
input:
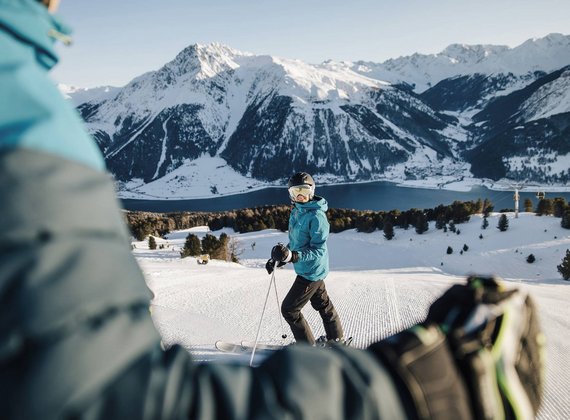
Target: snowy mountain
x,y
423,71
79,95
266,117
524,135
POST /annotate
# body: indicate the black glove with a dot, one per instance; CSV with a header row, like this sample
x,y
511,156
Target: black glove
x,y
281,253
497,344
271,264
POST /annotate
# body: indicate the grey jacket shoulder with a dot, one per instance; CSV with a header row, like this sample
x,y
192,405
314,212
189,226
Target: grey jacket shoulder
x,y
73,296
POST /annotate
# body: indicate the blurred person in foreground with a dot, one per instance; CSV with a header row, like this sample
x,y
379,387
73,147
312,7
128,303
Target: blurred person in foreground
x,y
77,340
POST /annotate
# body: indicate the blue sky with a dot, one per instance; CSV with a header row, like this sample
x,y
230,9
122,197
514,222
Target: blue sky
x,y
118,40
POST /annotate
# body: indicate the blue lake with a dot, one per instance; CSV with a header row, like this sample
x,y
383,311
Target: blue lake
x,y
368,196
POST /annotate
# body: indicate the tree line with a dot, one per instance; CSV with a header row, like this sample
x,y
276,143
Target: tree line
x,y
254,219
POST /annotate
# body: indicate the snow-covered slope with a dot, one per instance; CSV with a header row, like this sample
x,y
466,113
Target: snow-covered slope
x,y
524,135
550,99
378,286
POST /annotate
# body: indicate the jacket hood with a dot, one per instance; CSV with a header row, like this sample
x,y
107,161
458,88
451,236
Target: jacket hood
x,y
30,22
317,203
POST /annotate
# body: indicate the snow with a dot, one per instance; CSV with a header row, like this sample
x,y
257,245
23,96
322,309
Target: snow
x,y
554,163
81,95
426,70
146,123
551,99
163,153
204,177
377,286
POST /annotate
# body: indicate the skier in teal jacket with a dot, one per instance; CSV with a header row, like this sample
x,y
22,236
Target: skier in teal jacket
x,y
77,340
307,250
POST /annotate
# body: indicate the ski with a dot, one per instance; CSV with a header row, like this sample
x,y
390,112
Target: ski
x,y
228,347
247,346
244,347
261,346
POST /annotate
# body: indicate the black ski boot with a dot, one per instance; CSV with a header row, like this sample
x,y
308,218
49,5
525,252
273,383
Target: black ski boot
x,y
322,341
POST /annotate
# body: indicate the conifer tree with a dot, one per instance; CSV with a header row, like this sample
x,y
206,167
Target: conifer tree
x,y
559,206
210,245
478,208
485,223
487,207
191,246
365,224
388,230
440,221
422,224
270,222
503,224
151,242
460,212
222,251
337,225
528,208
564,267
545,207
565,222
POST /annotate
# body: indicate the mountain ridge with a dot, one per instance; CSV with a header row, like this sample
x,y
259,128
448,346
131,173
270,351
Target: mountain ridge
x,y
267,117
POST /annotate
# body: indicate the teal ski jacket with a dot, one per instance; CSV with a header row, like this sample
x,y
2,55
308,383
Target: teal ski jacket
x,y
34,115
308,233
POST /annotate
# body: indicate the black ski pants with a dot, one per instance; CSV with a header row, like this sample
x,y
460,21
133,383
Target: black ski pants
x,y
301,292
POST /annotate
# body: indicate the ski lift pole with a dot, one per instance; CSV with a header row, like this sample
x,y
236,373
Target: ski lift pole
x,y
261,319
516,198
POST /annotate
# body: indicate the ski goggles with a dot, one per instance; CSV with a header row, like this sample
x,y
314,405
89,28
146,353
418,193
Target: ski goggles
x,y
306,190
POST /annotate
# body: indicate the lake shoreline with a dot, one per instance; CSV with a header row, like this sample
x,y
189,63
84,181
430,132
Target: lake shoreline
x,y
459,186
375,195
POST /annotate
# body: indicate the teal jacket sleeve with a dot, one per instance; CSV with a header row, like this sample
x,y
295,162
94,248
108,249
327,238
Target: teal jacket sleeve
x,y
33,113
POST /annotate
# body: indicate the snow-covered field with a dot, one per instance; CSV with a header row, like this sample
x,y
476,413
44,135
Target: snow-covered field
x,y
377,286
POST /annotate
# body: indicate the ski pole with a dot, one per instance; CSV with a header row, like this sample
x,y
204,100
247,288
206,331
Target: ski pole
x,y
283,335
261,319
